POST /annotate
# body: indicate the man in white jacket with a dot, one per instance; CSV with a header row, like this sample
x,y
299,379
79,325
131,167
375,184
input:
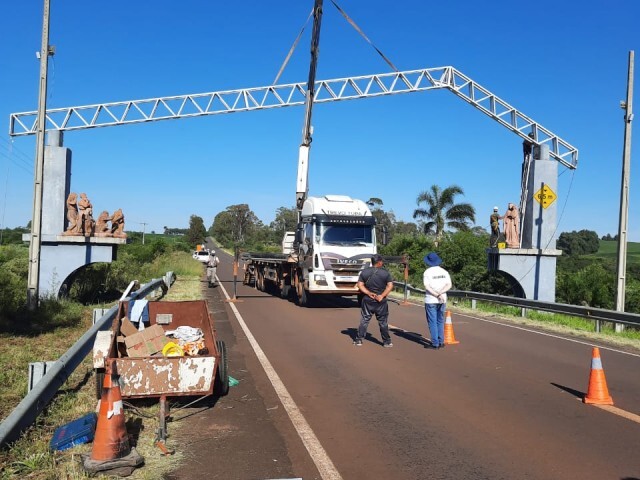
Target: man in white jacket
x,y
436,284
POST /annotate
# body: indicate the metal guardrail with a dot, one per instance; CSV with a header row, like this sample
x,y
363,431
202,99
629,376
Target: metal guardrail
x,y
590,313
34,402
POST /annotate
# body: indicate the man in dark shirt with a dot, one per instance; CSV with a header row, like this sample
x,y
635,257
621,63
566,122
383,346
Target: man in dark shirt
x,y
375,283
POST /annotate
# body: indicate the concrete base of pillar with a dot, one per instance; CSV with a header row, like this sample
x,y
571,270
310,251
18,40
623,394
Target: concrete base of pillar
x,y
62,255
530,270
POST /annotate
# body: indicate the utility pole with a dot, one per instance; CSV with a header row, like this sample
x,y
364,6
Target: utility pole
x,y
36,222
143,229
624,190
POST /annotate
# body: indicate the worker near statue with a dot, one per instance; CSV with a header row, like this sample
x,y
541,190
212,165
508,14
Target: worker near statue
x,y
494,222
375,283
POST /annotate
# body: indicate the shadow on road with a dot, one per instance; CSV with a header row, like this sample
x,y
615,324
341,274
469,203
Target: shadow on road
x,y
573,392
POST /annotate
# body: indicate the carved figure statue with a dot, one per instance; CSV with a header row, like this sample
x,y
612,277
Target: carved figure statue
x,y
85,214
117,224
512,226
102,227
72,215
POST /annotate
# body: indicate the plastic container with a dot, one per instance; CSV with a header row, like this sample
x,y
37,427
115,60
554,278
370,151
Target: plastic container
x,y
74,433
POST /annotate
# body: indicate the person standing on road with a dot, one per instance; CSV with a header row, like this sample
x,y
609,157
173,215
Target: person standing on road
x,y
375,283
212,268
436,284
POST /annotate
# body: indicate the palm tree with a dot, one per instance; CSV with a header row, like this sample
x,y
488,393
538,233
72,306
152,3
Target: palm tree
x,y
442,212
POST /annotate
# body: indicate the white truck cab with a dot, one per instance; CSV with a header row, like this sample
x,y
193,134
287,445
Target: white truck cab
x,y
336,239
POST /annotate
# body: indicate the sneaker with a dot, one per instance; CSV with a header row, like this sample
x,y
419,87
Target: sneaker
x,y
388,345
357,342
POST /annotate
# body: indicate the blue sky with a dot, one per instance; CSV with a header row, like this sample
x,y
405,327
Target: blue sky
x,y
564,64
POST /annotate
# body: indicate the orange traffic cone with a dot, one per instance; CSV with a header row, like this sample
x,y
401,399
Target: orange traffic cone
x,y
111,449
598,393
449,337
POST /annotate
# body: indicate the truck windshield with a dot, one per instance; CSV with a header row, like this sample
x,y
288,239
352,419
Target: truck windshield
x,y
346,234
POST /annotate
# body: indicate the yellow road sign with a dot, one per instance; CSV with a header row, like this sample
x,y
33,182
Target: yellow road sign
x,y
545,196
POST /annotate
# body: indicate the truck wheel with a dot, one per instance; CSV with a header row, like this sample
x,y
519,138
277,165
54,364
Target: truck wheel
x,y
221,382
305,299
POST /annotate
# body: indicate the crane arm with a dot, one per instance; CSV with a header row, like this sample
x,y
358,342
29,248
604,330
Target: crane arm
x,y
286,95
302,186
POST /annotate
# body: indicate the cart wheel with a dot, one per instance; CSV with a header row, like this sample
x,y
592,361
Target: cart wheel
x,y
99,382
284,292
221,385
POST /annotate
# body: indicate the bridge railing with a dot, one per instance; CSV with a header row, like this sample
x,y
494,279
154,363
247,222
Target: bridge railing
x,y
590,313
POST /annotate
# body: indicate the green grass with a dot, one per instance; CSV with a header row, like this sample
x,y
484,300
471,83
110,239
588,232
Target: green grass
x,y
609,250
46,337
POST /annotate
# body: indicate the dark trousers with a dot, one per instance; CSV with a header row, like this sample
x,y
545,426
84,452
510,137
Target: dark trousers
x,y
381,310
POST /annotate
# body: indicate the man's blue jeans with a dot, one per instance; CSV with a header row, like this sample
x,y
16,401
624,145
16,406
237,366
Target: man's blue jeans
x,y
435,321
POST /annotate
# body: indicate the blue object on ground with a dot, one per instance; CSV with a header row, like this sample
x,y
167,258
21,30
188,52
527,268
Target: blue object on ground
x,y
74,433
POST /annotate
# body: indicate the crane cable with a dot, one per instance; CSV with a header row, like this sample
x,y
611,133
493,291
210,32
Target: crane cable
x,y
293,47
353,24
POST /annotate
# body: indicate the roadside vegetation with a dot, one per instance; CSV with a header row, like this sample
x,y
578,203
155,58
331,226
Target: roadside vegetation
x,y
46,334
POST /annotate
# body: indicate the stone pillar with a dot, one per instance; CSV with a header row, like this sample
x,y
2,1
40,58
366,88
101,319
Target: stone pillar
x,y
56,184
533,266
540,215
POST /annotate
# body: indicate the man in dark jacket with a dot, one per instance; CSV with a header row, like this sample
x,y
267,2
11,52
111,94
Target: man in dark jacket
x,y
375,283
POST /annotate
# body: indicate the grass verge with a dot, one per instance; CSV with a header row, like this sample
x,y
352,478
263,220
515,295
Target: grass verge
x,y
46,338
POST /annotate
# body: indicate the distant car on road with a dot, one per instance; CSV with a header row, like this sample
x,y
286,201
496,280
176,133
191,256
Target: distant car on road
x,y
201,256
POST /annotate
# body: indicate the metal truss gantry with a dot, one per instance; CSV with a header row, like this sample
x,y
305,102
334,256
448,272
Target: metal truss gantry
x,y
262,98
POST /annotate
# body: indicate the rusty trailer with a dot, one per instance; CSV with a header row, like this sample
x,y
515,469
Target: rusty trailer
x,y
158,376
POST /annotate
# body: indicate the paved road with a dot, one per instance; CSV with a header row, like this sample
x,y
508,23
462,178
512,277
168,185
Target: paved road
x,y
503,404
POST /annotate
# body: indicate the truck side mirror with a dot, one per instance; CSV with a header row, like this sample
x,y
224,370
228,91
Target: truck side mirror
x,y
299,234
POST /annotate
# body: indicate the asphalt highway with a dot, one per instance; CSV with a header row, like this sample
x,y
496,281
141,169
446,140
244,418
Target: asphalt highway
x,y
505,403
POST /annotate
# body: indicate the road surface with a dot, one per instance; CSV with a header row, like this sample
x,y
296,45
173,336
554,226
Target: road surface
x,y
505,403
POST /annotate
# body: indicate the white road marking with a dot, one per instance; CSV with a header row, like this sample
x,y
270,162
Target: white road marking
x,y
318,454
609,408
560,337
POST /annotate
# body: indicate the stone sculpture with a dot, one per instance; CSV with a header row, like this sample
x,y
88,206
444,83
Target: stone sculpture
x,y
117,224
81,222
72,214
512,226
85,214
102,228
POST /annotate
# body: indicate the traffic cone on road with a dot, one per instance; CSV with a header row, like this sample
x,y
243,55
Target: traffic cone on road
x,y
449,337
598,393
111,452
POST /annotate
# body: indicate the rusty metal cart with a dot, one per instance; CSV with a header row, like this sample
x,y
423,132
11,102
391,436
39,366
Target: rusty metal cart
x,y
159,376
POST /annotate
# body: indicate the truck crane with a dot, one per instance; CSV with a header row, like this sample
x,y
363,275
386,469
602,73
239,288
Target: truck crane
x,y
335,236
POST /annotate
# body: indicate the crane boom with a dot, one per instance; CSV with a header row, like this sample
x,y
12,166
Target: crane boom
x,y
287,95
302,188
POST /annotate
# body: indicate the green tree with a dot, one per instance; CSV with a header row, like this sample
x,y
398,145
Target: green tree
x,y
593,286
286,221
441,211
196,231
583,242
237,225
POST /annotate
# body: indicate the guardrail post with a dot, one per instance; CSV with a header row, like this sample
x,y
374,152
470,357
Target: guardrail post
x,y
523,312
598,326
474,304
